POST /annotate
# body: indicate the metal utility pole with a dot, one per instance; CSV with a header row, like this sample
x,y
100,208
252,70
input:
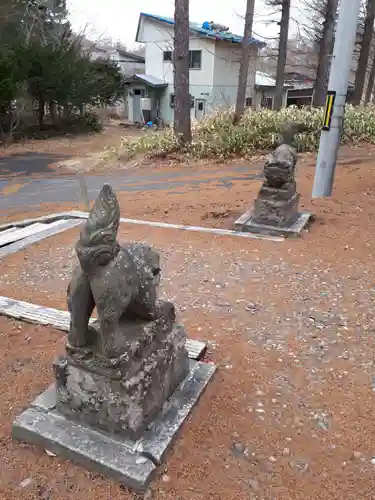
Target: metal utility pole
x,y
346,32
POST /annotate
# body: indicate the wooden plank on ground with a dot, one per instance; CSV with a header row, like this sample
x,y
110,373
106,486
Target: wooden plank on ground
x,y
43,218
7,231
50,230
11,236
40,315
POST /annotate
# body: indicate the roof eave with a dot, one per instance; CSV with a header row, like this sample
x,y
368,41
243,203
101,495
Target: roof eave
x,y
135,78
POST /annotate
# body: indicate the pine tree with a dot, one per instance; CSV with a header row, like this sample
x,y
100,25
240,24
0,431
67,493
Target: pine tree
x,y
245,61
182,121
283,49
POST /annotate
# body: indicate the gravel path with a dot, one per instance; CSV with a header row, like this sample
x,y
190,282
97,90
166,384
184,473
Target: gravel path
x,y
291,325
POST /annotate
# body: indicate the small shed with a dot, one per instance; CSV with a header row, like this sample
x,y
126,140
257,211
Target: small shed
x,y
265,91
146,89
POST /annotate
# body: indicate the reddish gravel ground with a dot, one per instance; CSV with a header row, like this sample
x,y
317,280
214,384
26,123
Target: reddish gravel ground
x,y
289,414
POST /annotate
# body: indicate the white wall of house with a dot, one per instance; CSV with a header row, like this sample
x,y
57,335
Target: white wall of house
x,y
226,73
214,84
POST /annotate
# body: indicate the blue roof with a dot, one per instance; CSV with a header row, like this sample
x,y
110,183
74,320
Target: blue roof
x,y
197,29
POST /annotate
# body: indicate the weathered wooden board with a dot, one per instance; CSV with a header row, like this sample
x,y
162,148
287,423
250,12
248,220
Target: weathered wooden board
x,y
56,318
18,234
50,230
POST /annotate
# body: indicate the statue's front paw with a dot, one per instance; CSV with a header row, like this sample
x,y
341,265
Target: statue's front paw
x,y
110,347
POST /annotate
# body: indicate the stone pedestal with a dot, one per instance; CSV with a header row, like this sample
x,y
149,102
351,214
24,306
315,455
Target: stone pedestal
x,y
123,395
131,462
276,207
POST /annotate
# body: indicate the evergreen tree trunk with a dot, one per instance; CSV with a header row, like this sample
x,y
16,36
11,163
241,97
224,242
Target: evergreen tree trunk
x,y
281,59
41,111
245,61
360,74
325,53
182,121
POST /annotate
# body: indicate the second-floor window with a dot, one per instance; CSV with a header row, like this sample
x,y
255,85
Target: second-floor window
x,y
195,58
167,56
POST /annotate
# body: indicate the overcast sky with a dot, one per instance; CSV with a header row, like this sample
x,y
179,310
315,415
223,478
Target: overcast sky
x,y
118,19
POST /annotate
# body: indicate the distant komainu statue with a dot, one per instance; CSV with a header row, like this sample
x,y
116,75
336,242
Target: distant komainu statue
x,y
275,209
119,370
277,201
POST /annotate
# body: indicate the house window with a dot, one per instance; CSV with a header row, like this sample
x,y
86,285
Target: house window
x,y
249,102
195,59
267,102
172,101
167,56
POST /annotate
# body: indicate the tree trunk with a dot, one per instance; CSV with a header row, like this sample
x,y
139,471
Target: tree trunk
x,y
245,61
41,112
360,74
182,122
53,113
67,108
370,83
281,59
325,53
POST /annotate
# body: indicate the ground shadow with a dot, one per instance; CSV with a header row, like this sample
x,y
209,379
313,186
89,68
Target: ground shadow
x,y
30,163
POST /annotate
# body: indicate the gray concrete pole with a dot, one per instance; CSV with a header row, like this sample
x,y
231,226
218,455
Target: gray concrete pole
x,y
345,37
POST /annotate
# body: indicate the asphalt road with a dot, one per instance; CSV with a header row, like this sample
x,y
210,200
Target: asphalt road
x,y
23,191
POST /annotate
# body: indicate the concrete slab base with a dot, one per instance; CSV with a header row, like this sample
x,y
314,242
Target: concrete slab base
x,y
246,224
132,463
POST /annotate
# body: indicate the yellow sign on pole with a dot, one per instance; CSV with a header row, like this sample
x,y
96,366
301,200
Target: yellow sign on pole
x,y
330,102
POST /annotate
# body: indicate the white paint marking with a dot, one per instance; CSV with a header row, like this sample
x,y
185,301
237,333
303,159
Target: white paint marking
x,y
220,232
212,230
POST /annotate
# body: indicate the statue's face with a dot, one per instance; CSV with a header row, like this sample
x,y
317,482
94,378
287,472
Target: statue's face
x,y
91,258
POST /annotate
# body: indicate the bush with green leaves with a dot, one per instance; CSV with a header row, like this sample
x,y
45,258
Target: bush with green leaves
x,y
217,137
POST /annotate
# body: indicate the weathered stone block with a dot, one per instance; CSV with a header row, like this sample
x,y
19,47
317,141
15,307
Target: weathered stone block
x,y
276,212
124,394
271,193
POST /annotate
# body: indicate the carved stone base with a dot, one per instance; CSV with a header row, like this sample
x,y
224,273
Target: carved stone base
x,y
246,224
276,212
130,462
123,395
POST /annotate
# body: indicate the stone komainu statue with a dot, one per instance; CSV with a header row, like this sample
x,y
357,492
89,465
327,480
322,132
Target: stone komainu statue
x,y
120,281
118,371
277,201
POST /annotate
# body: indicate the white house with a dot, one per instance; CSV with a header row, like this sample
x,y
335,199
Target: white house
x,y
128,62
214,58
